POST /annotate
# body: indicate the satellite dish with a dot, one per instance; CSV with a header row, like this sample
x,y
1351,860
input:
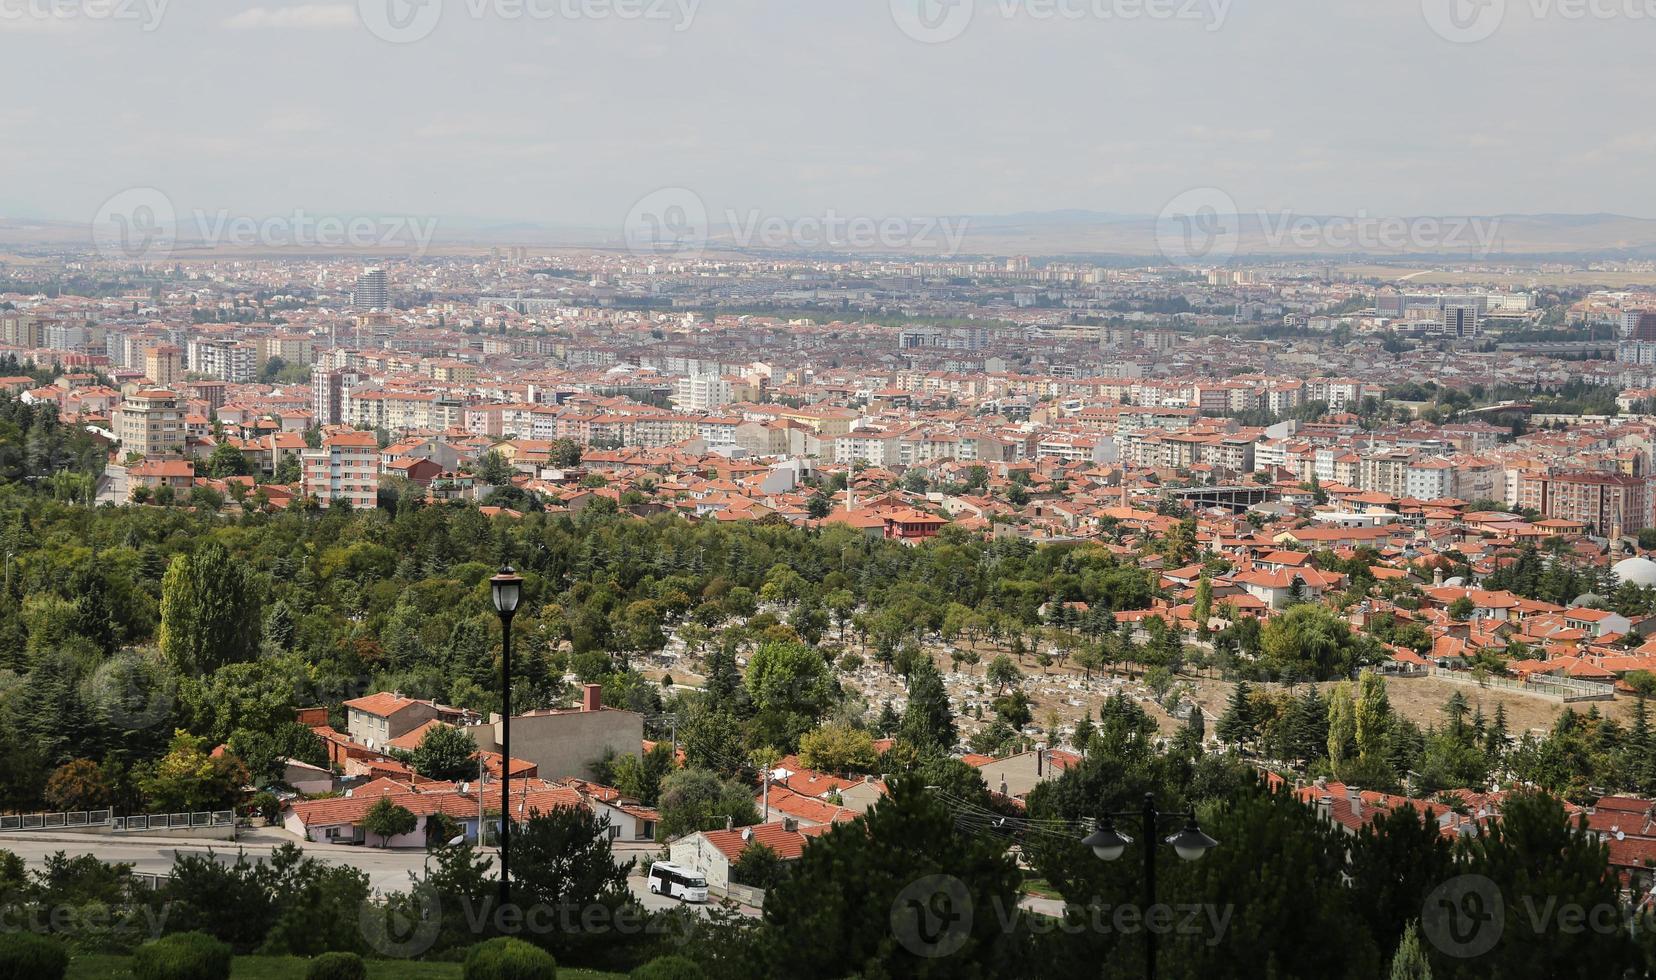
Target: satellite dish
x,y
1621,835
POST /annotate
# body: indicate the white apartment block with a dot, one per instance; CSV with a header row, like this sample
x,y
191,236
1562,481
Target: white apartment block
x,y
345,467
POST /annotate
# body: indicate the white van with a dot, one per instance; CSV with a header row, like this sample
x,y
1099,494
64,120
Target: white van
x,y
677,882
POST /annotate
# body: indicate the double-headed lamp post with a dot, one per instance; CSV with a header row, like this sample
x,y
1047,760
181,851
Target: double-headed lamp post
x,y
1109,844
507,588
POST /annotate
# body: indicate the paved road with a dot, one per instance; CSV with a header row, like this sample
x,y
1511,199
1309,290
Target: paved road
x,y
388,870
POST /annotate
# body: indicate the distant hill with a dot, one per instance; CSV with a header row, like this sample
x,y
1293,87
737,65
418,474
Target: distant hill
x,y
1082,233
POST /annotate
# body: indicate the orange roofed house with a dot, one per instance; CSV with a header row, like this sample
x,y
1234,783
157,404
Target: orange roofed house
x,y
712,852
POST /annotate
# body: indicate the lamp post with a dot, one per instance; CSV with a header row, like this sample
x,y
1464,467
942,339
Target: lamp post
x,y
507,588
1109,844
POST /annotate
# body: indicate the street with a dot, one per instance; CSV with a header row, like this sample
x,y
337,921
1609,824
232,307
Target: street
x,y
387,870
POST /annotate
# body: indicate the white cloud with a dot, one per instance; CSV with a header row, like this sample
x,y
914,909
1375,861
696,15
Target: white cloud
x,y
303,16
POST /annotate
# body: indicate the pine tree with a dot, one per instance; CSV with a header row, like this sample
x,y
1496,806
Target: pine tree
x,y
1495,740
1409,963
1237,724
928,722
1084,732
889,721
1309,729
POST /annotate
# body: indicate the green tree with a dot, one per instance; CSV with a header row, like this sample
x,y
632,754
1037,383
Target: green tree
x,y
210,611
445,753
227,459
928,721
190,778
386,819
563,860
696,799
1237,725
887,895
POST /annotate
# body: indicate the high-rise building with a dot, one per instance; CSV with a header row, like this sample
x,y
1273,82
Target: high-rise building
x,y
152,424
1460,322
372,292
1639,344
328,391
164,364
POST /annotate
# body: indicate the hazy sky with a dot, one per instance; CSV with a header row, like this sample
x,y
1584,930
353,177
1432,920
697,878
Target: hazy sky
x,y
570,111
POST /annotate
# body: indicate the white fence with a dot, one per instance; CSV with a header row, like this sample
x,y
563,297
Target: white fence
x,y
176,821
73,819
1565,689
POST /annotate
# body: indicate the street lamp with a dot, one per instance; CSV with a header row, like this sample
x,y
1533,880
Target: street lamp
x,y
507,588
1109,844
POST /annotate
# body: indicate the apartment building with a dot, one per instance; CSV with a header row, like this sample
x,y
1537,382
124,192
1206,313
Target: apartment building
x,y
344,468
227,360
164,364
1608,503
152,424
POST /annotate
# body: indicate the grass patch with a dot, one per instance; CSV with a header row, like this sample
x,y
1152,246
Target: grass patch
x,y
92,967
1039,887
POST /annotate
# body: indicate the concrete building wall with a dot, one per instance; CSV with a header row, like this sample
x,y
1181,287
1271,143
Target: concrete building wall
x,y
566,743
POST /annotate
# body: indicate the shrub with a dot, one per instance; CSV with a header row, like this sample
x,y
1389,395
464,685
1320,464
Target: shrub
x,y
337,966
266,805
182,956
28,956
669,968
508,959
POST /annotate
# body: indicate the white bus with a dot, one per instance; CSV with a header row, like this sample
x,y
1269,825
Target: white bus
x,y
677,882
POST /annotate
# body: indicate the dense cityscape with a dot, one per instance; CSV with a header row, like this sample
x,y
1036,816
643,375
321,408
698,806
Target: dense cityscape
x,y
969,489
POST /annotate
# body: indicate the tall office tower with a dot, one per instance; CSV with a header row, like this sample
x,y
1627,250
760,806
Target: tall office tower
x,y
1460,322
372,291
